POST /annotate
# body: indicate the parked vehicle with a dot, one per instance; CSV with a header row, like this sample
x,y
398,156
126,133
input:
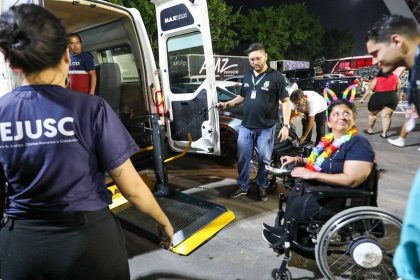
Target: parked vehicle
x,y
337,83
348,65
186,65
302,77
284,65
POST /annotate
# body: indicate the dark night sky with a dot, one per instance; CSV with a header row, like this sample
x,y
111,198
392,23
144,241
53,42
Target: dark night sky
x,y
357,15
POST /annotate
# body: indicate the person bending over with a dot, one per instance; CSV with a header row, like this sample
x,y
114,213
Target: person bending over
x,y
313,107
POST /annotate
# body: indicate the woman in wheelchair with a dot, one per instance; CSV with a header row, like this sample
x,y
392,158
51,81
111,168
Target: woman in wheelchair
x,y
340,173
343,158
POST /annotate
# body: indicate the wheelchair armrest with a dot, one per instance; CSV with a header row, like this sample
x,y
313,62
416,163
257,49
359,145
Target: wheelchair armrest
x,y
337,191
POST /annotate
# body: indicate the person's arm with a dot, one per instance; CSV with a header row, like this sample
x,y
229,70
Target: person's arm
x,y
92,82
354,173
231,103
369,91
286,109
138,194
310,125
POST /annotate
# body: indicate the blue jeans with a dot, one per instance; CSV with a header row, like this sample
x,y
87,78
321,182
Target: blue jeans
x,y
263,139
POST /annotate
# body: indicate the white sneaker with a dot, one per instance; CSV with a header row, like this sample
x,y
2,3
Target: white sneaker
x,y
399,142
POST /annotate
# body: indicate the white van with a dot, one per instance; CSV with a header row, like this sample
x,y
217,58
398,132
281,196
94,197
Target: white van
x,y
127,74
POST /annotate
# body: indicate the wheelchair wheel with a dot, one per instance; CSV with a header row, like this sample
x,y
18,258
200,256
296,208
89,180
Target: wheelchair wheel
x,y
358,243
286,275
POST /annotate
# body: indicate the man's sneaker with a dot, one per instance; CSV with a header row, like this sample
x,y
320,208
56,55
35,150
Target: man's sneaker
x,y
262,194
399,142
276,231
238,192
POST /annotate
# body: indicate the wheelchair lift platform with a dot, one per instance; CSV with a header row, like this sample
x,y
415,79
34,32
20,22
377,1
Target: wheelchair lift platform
x,y
194,220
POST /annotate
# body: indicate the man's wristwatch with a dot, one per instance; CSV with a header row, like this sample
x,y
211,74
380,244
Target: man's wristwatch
x,y
286,125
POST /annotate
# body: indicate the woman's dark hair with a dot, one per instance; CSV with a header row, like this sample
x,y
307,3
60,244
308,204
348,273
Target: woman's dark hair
x,y
31,38
337,102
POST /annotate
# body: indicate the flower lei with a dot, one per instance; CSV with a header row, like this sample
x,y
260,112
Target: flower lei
x,y
326,148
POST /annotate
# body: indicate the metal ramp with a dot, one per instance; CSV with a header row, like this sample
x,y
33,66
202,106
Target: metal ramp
x,y
194,220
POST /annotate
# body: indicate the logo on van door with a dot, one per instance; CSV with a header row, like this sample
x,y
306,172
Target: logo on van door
x,y
175,17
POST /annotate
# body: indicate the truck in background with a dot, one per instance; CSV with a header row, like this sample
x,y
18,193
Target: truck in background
x,y
347,65
192,67
285,65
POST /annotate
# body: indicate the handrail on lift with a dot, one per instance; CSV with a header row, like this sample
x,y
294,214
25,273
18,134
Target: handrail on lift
x,y
183,153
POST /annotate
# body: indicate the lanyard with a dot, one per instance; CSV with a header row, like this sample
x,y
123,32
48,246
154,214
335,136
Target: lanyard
x,y
412,87
258,81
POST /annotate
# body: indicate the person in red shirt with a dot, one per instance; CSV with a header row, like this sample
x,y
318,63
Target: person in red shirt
x,y
82,74
384,100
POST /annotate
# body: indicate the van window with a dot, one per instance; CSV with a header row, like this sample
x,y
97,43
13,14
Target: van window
x,y
125,59
181,63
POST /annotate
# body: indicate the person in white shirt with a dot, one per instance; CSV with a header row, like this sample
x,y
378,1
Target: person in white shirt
x,y
312,106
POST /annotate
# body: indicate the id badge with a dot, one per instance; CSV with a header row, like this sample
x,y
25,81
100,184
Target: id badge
x,y
253,94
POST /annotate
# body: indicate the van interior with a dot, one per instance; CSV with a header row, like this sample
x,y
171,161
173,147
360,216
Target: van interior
x,y
108,33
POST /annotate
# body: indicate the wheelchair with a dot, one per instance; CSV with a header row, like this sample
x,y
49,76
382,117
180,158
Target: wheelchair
x,y
350,237
290,147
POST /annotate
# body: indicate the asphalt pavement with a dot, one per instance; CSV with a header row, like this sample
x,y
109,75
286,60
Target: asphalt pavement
x,y
238,251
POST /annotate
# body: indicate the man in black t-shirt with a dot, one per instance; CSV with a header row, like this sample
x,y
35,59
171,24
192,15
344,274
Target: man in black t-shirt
x,y
262,90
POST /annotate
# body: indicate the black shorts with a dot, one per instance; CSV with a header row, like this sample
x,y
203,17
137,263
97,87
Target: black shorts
x,y
379,100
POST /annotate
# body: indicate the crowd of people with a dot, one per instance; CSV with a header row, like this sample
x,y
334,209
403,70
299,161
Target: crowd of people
x,y
68,216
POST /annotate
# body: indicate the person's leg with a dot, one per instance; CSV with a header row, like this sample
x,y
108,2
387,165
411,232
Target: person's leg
x,y
386,115
374,107
33,249
320,121
105,256
305,123
371,121
265,143
245,150
400,141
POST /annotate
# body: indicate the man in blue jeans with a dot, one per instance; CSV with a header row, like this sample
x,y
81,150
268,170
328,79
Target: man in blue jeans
x,y
262,91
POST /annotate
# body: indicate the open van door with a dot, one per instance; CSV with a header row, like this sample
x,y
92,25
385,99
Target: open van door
x,y
183,29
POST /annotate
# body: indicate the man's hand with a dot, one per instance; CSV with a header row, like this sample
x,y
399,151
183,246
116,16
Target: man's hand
x,y
302,139
283,134
221,105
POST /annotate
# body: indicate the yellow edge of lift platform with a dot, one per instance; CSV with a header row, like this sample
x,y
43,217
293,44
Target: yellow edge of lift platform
x,y
201,236
193,239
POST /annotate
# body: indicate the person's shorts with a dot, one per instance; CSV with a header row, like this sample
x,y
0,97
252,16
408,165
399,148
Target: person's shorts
x,y
379,100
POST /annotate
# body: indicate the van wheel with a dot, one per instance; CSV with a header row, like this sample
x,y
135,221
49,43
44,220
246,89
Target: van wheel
x,y
228,148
